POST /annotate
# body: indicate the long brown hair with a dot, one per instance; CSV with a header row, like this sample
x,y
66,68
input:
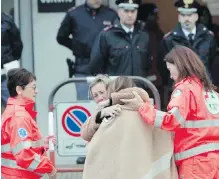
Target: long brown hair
x,y
121,82
189,65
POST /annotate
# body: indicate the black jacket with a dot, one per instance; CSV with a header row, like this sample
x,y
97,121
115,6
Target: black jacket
x,y
115,53
84,24
204,45
11,44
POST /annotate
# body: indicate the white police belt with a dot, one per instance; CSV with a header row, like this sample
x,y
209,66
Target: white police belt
x,y
9,66
3,71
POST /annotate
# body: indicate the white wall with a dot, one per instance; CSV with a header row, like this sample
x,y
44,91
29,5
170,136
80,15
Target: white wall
x,y
49,65
49,62
6,5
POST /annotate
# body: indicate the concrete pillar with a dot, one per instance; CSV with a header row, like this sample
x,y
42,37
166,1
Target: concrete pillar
x,y
24,20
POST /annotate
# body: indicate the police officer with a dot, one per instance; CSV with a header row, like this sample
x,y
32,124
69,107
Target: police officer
x,y
190,34
84,23
122,49
11,49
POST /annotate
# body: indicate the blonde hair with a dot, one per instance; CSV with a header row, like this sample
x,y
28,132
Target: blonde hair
x,y
99,79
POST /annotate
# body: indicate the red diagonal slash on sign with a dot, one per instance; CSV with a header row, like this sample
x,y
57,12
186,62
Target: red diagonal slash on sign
x,y
75,118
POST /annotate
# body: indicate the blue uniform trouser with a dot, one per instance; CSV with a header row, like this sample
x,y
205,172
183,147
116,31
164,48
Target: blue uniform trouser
x,y
82,88
4,90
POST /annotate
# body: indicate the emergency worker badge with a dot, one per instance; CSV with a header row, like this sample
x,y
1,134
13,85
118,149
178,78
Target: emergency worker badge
x,y
106,23
176,93
22,133
212,101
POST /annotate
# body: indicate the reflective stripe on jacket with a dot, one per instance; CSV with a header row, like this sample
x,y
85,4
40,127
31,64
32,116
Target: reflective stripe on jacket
x,y
193,114
22,148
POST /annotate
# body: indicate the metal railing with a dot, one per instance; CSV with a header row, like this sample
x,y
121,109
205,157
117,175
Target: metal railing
x,y
51,108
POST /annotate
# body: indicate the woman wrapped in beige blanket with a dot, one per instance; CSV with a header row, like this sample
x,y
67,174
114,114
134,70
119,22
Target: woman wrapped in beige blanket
x,y
124,146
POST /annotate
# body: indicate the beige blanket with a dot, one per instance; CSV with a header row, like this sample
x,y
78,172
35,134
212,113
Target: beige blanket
x,y
127,148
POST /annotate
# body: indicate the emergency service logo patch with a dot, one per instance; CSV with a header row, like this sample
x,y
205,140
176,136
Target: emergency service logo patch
x,y
22,133
176,93
212,101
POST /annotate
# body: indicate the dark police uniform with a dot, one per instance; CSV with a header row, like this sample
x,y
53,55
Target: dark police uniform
x,y
204,43
116,52
11,49
84,24
11,44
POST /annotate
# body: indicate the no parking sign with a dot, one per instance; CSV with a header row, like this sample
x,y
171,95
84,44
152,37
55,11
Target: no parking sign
x,y
73,119
69,119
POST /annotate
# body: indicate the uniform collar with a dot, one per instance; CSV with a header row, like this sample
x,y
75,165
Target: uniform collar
x,y
91,10
126,29
26,103
136,28
178,32
189,79
186,32
200,30
117,25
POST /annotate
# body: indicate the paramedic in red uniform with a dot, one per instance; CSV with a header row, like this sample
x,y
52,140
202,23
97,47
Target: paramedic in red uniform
x,y
193,116
22,148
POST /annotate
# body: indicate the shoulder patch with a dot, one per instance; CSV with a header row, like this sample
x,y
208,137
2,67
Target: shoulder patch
x,y
107,28
176,93
167,34
72,8
211,99
22,133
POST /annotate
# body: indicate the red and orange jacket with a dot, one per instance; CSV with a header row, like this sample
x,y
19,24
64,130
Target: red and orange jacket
x,y
22,151
193,115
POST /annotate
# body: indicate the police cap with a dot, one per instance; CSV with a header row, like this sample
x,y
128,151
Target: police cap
x,y
127,4
187,6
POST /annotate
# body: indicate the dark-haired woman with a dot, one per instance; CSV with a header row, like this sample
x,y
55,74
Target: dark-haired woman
x,y
193,114
23,152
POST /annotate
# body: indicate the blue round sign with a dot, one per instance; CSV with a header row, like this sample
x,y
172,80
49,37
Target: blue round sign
x,y
73,118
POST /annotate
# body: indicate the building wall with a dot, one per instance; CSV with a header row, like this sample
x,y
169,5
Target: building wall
x,y
6,5
168,14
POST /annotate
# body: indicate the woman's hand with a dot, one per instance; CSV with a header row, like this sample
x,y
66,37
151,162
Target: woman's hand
x,y
48,138
53,173
111,111
105,103
134,103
